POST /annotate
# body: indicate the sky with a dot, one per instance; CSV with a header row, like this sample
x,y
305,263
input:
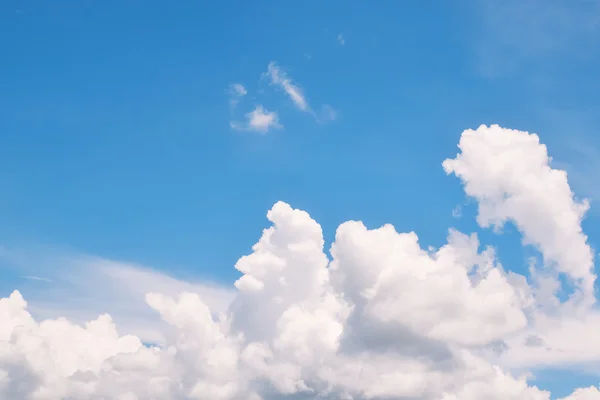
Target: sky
x,y
153,149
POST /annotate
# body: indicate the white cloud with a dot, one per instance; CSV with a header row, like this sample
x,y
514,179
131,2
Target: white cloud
x,y
590,393
508,173
457,211
36,278
383,318
340,39
280,78
259,120
80,287
236,91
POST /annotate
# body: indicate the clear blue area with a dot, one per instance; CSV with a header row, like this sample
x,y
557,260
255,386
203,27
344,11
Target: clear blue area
x,y
561,382
115,137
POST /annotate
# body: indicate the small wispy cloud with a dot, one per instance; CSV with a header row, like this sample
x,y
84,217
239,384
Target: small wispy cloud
x,y
340,39
85,286
457,211
236,91
262,120
280,78
327,114
36,278
258,120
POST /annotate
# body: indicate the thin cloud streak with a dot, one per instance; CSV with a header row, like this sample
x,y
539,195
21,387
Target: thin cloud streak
x,y
279,78
84,287
36,278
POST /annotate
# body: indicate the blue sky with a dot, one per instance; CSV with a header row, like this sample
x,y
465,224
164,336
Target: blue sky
x,y
115,135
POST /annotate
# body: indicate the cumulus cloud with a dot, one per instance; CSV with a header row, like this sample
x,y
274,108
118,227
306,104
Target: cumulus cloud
x,y
381,317
80,287
590,393
340,39
508,172
258,120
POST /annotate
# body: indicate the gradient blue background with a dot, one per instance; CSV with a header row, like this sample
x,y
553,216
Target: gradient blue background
x,y
115,137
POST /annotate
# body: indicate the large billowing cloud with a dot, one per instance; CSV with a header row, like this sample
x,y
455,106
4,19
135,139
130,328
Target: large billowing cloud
x,y
508,173
381,318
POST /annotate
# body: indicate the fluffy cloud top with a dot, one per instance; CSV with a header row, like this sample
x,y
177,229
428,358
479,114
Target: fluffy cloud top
x,y
381,318
508,173
259,120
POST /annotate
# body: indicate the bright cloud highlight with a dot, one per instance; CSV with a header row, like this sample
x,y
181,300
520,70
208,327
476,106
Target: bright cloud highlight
x,y
380,317
259,120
